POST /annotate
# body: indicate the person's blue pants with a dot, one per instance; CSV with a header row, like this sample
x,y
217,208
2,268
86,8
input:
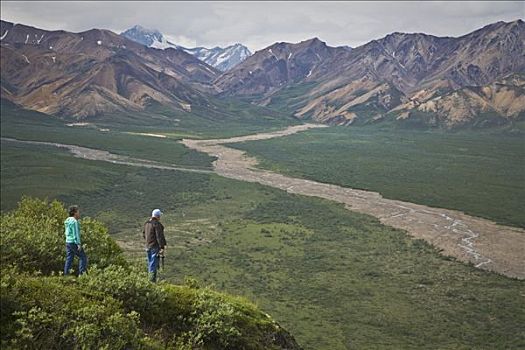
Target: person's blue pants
x,y
71,251
153,263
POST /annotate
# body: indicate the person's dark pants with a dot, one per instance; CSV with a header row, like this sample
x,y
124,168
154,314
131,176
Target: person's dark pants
x,y
153,263
71,251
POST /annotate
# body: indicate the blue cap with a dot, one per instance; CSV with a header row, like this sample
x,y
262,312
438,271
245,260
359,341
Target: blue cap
x,y
156,213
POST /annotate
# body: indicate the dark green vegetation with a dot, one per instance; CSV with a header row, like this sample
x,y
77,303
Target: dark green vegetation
x,y
112,193
35,126
339,280
333,278
115,306
116,135
480,173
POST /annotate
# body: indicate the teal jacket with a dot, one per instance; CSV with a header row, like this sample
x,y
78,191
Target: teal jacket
x,y
72,230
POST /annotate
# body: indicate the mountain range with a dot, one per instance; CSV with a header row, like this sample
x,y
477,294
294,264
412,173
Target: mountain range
x,y
475,79
96,72
400,76
221,58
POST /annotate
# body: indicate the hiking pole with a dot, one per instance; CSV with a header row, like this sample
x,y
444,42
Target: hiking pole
x,y
160,264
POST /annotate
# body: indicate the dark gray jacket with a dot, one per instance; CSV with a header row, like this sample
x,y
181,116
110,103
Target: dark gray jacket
x,y
153,233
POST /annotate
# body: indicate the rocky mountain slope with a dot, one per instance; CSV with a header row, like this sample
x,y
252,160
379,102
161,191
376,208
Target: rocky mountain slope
x,y
222,59
440,81
495,103
272,68
96,72
370,81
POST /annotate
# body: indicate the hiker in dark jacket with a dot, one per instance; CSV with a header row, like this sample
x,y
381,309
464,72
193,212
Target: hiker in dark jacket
x,y
153,233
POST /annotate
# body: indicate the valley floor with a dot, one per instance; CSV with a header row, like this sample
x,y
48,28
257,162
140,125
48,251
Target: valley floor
x,y
479,241
470,239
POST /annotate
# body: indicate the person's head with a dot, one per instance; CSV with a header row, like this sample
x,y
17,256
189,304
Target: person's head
x,y
74,212
156,214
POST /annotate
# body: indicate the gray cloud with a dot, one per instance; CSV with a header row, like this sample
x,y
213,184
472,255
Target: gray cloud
x,y
259,24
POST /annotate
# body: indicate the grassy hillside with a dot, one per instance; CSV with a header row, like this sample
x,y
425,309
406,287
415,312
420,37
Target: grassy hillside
x,y
333,278
230,118
481,173
291,98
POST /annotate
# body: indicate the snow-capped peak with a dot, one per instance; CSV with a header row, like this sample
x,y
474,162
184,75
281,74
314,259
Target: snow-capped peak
x,y
148,37
221,58
218,57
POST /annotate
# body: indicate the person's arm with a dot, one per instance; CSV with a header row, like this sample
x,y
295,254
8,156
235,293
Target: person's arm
x,y
68,231
159,232
76,226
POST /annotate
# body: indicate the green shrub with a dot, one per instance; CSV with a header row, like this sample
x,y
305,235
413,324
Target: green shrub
x,y
54,313
32,238
208,319
214,321
132,287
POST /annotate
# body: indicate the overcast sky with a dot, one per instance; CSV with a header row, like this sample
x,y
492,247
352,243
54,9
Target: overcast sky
x,y
259,24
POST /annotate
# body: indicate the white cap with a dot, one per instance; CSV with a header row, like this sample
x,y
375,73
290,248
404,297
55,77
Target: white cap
x,y
156,213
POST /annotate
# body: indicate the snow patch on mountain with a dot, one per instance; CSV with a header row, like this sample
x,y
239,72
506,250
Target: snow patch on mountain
x,y
27,60
163,44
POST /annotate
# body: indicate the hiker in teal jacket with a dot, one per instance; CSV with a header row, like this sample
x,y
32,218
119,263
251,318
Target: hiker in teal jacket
x,y
73,242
